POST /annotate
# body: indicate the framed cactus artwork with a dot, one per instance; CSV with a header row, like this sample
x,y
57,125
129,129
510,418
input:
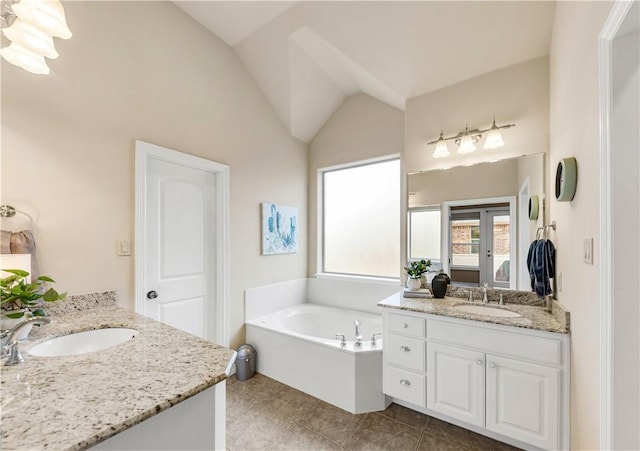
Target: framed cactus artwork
x,y
279,229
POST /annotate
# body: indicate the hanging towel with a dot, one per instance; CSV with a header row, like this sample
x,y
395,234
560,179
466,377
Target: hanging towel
x,y
541,262
21,242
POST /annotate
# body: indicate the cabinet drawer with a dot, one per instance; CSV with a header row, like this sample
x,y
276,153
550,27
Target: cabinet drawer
x,y
405,385
405,351
406,325
504,342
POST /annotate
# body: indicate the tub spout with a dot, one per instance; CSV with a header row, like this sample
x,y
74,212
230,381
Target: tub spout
x,y
358,334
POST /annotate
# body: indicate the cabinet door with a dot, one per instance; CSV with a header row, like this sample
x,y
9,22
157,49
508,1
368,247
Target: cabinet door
x,y
523,401
455,382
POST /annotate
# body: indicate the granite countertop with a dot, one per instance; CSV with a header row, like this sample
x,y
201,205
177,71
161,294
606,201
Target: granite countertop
x,y
75,402
533,317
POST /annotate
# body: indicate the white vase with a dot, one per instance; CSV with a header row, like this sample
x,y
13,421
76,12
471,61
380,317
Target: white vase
x,y
7,323
414,284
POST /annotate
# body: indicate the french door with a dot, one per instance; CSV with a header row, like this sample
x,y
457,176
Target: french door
x,y
480,245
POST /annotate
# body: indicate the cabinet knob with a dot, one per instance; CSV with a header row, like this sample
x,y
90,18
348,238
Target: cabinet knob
x,y
405,382
492,365
405,348
404,325
479,362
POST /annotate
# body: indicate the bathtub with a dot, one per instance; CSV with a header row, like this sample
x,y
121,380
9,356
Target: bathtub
x,y
297,346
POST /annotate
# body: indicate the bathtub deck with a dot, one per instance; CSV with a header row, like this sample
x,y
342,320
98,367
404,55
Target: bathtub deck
x,y
265,414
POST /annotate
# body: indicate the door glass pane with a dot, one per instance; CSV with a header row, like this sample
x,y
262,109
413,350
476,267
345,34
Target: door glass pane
x,y
501,246
424,235
465,242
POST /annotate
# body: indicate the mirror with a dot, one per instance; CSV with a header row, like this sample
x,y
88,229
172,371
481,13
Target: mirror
x,y
474,221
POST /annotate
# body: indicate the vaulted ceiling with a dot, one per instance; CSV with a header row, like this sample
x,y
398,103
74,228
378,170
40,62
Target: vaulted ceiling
x,y
308,56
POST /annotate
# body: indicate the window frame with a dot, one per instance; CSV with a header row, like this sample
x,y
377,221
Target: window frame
x,y
436,262
320,247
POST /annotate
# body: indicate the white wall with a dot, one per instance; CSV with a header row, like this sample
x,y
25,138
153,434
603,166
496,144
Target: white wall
x,y
361,128
574,131
141,70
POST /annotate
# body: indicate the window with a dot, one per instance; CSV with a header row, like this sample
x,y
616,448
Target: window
x,y
424,234
360,219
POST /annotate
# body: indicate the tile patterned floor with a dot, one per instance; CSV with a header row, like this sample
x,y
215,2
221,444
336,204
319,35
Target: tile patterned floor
x,y
263,414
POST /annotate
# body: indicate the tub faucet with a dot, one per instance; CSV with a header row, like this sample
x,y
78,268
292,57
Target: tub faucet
x,y
10,340
342,338
373,338
470,298
358,334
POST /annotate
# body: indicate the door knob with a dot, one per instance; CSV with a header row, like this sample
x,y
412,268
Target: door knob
x,y
152,294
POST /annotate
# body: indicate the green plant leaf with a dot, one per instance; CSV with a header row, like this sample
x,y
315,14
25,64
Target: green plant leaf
x,y
14,315
38,312
17,272
46,279
51,295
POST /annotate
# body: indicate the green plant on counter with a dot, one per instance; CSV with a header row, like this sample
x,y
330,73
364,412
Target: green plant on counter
x,y
17,294
415,269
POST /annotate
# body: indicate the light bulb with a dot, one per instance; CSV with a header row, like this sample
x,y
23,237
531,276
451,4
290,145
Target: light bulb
x,y
466,143
442,150
31,38
46,15
25,59
494,137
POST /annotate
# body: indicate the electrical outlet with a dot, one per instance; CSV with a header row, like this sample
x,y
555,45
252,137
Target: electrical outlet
x,y
587,251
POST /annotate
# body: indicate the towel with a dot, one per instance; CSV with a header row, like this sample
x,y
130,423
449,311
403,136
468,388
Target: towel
x,y
21,242
541,262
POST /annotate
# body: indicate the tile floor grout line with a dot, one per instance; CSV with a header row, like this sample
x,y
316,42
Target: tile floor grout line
x,y
321,435
279,437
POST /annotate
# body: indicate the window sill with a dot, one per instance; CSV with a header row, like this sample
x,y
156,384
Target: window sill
x,y
354,278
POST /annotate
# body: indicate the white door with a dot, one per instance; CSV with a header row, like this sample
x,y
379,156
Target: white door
x,y
455,382
177,236
522,401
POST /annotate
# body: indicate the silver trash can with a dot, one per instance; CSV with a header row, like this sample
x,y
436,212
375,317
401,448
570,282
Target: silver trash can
x,y
245,362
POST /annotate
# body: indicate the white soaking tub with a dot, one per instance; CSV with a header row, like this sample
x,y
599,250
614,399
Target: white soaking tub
x,y
297,346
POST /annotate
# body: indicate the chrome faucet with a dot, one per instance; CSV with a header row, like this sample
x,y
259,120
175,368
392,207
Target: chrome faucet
x,y
373,339
470,298
358,334
485,300
342,338
10,340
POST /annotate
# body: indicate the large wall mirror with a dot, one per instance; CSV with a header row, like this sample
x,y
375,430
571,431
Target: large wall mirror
x,y
476,222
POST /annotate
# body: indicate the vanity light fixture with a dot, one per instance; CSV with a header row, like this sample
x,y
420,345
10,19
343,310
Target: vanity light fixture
x,y
31,25
467,140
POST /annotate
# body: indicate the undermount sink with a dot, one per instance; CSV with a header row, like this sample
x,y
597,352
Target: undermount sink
x,y
83,342
487,311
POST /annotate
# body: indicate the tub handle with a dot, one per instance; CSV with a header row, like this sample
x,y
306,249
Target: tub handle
x,y
405,348
404,325
405,382
342,338
373,338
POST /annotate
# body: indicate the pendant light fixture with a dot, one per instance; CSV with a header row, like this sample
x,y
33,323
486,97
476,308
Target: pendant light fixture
x,y
494,137
31,25
442,150
466,144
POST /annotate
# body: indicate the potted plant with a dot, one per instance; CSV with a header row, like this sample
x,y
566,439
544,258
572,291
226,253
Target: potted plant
x,y
21,300
415,269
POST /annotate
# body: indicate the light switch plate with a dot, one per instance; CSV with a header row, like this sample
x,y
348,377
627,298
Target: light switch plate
x,y
587,251
123,248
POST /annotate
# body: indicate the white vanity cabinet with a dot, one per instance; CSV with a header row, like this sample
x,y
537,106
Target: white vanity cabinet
x,y
506,381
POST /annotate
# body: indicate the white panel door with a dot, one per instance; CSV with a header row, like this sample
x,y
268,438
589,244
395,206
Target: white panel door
x,y
522,401
180,243
455,382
